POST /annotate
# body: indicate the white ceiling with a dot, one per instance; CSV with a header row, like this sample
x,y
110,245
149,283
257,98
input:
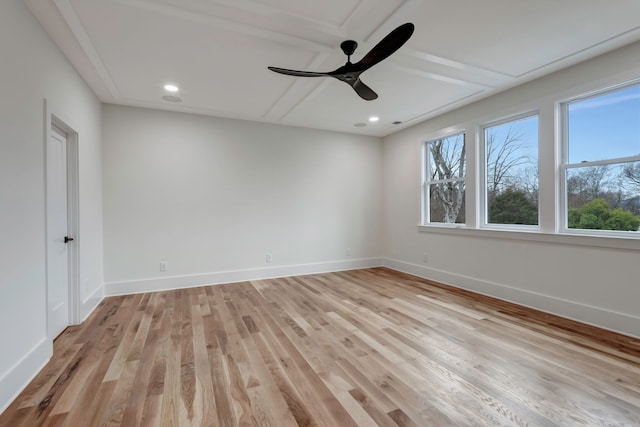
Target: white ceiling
x,y
217,52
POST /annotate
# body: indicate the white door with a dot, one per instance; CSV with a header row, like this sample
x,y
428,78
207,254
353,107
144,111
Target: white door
x,y
57,229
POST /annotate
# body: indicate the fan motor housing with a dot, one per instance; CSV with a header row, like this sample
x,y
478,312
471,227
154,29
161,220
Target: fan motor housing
x,y
348,47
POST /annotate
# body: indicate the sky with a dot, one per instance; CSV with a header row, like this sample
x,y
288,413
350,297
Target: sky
x,y
605,127
600,128
526,129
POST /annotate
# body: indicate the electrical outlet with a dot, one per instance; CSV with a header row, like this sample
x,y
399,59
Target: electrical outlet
x,y
348,252
164,265
425,258
268,258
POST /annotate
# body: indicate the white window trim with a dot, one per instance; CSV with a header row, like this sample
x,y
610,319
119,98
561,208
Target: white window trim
x,y
614,241
613,161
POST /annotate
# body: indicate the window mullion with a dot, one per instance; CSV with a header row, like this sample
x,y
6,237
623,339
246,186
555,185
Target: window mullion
x,y
604,162
445,181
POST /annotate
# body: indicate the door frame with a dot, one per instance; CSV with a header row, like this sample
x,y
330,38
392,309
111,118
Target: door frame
x,y
73,229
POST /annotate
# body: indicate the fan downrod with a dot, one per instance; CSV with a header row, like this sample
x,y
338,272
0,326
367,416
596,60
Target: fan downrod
x,y
348,47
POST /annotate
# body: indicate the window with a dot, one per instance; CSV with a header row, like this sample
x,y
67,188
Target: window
x,y
511,172
444,180
601,167
597,185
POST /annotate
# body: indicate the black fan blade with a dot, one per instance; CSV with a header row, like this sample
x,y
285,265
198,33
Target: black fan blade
x,y
392,42
297,73
364,91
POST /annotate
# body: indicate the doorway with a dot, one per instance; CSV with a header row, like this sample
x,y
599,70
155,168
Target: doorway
x,y
62,238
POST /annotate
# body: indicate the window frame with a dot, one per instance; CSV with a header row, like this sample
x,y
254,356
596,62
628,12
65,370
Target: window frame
x,y
425,219
483,181
564,166
552,150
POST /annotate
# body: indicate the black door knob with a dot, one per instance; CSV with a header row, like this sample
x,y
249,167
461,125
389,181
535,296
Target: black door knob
x,y
68,239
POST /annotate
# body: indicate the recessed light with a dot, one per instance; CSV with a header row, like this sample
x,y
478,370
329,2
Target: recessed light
x,y
171,88
374,119
171,98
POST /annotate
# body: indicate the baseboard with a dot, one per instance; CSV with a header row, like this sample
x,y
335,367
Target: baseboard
x,y
623,323
91,302
20,375
216,278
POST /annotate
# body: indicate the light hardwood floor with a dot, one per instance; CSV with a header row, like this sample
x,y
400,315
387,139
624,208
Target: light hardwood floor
x,y
358,348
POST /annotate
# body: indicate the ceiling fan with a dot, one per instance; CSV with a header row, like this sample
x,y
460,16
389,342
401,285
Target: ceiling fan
x,y
350,73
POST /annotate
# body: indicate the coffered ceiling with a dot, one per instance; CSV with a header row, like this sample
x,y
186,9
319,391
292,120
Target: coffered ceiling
x,y
217,53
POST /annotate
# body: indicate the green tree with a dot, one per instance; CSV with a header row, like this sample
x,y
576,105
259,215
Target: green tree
x,y
598,208
598,215
590,221
513,207
622,220
573,217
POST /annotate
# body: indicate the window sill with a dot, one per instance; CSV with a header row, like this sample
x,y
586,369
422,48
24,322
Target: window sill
x,y
570,238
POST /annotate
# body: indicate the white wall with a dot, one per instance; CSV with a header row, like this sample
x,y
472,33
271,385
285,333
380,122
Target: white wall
x,y
33,69
213,196
589,279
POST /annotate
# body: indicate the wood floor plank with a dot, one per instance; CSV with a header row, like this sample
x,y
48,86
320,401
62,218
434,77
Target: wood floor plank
x,y
171,352
114,412
370,347
203,376
47,378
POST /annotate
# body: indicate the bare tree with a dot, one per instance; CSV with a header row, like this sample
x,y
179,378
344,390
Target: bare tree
x,y
527,180
629,184
503,159
631,175
506,158
448,166
588,183
597,179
